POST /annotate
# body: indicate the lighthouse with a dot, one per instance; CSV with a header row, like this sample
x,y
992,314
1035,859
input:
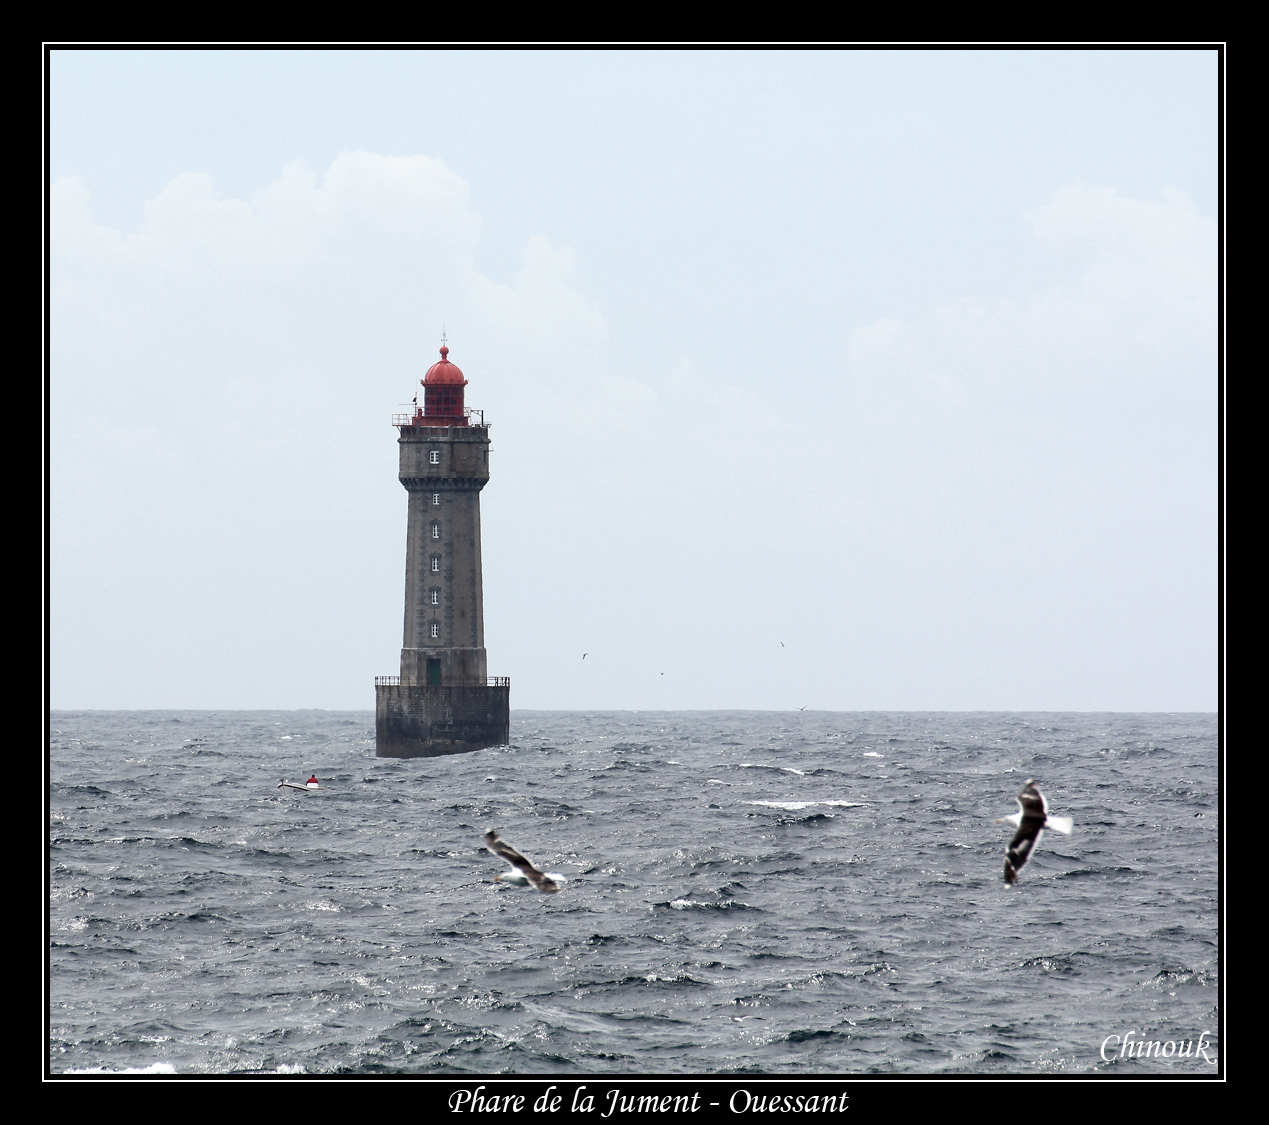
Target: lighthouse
x,y
443,702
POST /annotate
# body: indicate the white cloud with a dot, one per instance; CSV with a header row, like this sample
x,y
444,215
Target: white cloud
x,y
1098,222
1135,329
223,378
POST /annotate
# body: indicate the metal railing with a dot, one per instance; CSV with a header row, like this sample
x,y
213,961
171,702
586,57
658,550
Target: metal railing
x,y
472,416
395,681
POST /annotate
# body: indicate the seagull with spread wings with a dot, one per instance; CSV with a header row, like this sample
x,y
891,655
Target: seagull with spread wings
x,y
547,882
1031,819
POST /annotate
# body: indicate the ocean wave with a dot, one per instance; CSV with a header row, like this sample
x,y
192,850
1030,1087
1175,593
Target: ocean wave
x,y
869,933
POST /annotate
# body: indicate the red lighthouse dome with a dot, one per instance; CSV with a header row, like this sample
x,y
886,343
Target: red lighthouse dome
x,y
443,393
444,373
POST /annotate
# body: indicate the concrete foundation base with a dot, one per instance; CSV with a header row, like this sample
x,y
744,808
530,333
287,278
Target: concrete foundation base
x,y
421,721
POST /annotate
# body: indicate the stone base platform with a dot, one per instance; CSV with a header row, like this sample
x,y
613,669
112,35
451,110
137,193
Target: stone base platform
x,y
427,721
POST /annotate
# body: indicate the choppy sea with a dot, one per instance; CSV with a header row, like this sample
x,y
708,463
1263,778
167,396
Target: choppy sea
x,y
764,893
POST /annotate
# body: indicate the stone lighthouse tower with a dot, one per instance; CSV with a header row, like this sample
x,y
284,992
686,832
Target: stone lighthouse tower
x,y
443,702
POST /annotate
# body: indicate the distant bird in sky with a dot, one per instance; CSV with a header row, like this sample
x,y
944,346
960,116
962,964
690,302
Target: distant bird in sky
x,y
547,882
782,644
585,655
803,708
1031,819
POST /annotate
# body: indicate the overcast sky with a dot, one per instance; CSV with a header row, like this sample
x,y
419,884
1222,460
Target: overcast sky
x,y
855,380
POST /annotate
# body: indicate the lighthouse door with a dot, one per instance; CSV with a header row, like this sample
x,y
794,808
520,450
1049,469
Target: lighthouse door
x,y
433,673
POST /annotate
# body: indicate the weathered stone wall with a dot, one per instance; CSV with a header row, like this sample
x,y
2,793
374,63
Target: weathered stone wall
x,y
444,599
444,703
417,721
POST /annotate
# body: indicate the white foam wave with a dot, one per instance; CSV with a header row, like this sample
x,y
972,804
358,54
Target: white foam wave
x,y
793,806
153,1068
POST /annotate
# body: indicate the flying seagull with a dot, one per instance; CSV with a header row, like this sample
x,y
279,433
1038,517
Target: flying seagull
x,y
547,882
1031,819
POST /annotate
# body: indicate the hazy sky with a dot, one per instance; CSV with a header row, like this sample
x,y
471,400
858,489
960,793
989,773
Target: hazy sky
x,y
853,380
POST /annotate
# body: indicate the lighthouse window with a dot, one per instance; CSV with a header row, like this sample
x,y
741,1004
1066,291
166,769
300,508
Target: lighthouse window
x,y
436,499
436,597
434,457
436,530
436,564
436,629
